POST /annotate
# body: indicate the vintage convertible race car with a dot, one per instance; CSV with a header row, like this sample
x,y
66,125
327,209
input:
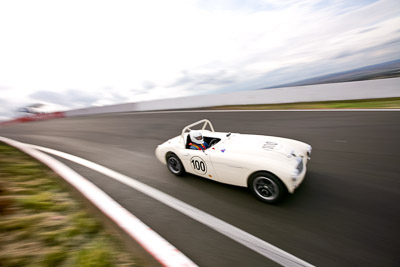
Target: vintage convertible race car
x,y
269,166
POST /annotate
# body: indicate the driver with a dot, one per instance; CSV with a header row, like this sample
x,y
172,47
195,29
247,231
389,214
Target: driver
x,y
197,141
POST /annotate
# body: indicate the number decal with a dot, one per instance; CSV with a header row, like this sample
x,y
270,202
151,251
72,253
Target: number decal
x,y
198,165
269,145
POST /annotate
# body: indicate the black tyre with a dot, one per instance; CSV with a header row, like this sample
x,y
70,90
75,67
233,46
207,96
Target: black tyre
x,y
175,165
267,187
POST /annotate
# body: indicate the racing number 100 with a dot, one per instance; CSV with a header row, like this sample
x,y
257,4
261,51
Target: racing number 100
x,y
198,165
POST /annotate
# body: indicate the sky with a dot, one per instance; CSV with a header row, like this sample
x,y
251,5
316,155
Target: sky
x,y
73,54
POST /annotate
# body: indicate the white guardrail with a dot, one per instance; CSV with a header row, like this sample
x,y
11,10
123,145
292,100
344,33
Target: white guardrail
x,y
383,88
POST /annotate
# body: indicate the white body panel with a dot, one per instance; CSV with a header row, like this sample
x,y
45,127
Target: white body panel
x,y
236,157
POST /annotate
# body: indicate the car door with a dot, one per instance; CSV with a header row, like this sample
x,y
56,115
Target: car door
x,y
198,162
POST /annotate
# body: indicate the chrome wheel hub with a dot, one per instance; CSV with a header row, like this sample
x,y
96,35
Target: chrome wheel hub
x,y
174,165
265,187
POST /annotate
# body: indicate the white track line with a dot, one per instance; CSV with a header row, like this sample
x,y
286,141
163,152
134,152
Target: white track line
x,y
158,247
240,236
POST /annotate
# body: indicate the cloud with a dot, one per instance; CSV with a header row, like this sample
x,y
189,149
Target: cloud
x,y
70,97
381,49
141,91
149,85
367,30
74,98
193,80
131,51
7,109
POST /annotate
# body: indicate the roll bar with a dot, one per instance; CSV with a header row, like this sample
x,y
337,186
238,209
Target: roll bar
x,y
205,123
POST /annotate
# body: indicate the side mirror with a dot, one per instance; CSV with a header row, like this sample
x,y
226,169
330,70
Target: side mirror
x,y
229,134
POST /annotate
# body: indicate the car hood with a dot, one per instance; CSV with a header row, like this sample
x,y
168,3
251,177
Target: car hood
x,y
258,145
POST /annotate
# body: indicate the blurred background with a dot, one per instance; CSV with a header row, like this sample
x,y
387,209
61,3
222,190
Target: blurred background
x,y
90,57
76,54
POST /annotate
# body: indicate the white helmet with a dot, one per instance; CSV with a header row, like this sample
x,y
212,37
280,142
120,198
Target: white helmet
x,y
196,137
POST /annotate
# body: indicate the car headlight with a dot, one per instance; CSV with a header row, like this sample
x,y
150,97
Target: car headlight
x,y
298,169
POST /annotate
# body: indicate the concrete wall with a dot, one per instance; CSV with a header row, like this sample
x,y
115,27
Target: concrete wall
x,y
105,109
322,92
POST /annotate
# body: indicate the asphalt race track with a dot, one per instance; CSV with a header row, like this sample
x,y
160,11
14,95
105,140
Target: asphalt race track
x,y
346,213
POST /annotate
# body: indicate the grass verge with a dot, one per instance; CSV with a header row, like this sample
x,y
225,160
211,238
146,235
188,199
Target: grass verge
x,y
41,224
382,103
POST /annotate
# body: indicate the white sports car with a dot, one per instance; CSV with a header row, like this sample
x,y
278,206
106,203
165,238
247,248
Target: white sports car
x,y
269,166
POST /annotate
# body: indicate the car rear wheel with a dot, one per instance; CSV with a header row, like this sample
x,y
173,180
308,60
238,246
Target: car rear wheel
x,y
267,187
175,165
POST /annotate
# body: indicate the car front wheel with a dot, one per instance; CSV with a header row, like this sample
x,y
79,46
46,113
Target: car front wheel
x,y
267,187
175,165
